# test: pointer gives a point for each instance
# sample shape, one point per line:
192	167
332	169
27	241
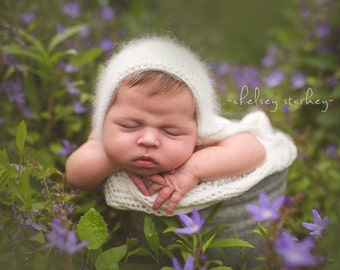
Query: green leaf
17	50
169	248
4	179
39	238
109	259
140	251
60	37
86	57
151	234
51	171
36	43
214	231
20	187
230	242
263	231
92	227
207	243
40	205
58	55
211	215
171	222
26	189
4	160
21	135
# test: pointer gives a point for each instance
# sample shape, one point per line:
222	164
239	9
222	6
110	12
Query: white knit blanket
121	193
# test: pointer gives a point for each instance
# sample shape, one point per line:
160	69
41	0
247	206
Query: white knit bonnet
159	54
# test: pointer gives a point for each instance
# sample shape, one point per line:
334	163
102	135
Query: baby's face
149	135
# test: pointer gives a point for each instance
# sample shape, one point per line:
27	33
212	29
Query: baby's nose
149	138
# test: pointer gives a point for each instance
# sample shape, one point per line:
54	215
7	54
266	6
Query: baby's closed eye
128	124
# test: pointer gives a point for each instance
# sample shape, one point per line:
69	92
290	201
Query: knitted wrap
163	54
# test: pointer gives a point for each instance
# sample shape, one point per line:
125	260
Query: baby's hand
177	185
172	186
147	186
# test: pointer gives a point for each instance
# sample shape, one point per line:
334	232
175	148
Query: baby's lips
144	162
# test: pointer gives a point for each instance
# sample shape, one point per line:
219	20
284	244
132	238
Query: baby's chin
150	172
146	172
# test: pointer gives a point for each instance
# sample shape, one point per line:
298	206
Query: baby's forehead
152	83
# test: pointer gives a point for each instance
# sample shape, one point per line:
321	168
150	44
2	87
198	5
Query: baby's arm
235	155
89	165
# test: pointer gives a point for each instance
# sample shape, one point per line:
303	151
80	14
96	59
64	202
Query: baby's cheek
112	149
181	156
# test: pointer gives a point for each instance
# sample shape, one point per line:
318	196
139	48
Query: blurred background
288	50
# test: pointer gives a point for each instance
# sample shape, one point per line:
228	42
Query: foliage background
232	36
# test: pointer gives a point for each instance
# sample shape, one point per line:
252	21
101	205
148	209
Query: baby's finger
139	183
154	188
156	179
174	199
162	197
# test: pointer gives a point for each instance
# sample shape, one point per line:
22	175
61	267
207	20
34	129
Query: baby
156	132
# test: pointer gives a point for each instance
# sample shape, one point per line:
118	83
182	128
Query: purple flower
319	224
107	45
27	113
13	90
26	18
273	79
71	89
294	253
69	68
305	13
298	80
331	150
15	209
107	12
9	60
29	222
60	28
285	109
78	107
85	32
189	264
63	239
245	75
266	210
323	31
67	148
61	208
223	69
269	60
288	201
72	9
25	219
193	224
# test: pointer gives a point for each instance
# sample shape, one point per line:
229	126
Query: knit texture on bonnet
163	54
